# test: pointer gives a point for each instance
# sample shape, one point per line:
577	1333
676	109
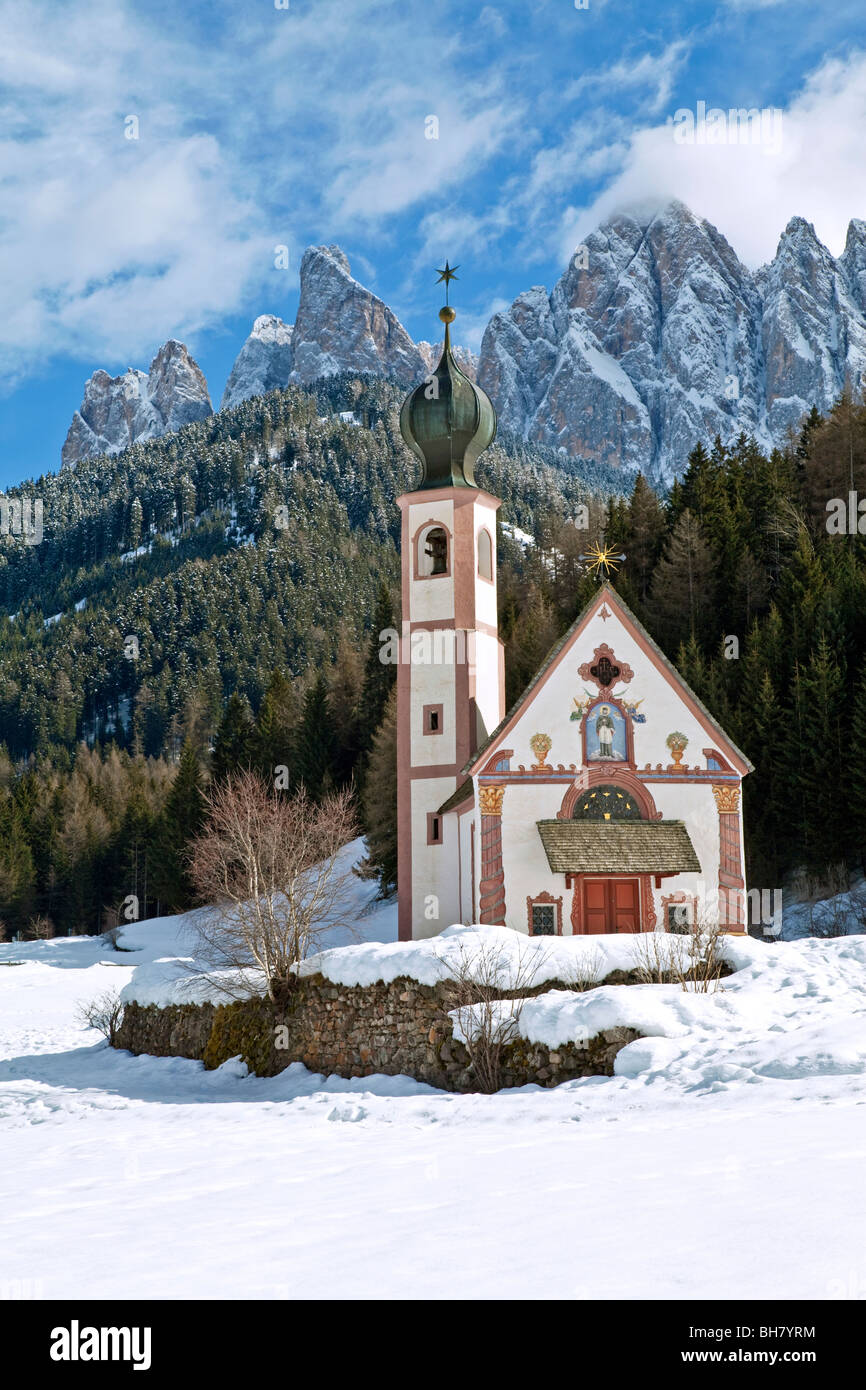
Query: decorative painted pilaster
731	882
491	889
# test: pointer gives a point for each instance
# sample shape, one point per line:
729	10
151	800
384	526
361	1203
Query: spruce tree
314	742
275	729
857	794
379	677
182	819
534	633
345	682
379	803
823	758
234	746
682	591
645	532
765	798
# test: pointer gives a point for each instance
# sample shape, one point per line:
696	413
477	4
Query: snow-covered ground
725	1159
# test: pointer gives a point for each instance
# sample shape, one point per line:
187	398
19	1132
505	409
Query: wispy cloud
299	125
652	74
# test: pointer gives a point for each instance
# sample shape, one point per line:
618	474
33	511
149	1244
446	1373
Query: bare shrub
706	958
858	907
694	960
488	985
659	957
268	864
39	928
105	1013
585	971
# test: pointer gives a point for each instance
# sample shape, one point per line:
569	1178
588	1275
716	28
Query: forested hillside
212	600
252	552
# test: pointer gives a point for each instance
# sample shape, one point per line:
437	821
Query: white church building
607	799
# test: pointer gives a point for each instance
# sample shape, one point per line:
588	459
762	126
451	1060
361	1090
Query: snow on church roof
609	595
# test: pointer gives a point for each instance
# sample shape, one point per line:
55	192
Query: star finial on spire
601	560
448	274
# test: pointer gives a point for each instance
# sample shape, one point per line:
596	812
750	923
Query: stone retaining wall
397	1028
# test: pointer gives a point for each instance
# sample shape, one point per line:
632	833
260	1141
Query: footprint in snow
350	1114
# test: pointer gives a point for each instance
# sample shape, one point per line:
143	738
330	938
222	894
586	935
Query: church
607	799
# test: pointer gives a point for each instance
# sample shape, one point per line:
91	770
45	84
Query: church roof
463	792
608	595
447	421
593	847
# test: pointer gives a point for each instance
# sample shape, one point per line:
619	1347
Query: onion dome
447	421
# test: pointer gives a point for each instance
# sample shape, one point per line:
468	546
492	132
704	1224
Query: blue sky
261	127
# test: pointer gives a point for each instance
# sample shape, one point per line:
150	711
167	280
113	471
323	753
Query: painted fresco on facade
605	733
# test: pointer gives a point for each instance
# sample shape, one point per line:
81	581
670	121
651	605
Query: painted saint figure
604	732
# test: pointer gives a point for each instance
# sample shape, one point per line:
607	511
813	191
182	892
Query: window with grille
543	919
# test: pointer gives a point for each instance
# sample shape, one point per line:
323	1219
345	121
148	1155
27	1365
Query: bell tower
451	683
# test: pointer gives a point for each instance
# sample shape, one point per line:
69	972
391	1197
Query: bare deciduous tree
268	864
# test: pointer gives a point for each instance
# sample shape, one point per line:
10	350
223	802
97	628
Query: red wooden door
595	905
611	905
624	904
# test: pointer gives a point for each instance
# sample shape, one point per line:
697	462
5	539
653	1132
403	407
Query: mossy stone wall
353	1030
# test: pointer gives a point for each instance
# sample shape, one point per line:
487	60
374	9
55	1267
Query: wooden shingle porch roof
624	847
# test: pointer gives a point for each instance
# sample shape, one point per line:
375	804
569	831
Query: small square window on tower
434	828
433	719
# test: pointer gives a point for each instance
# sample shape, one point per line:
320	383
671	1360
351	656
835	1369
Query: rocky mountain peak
264	361
341	326
336	253
119	410
657	335
853	261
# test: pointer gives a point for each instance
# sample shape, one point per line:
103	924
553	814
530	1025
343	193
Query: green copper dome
447	421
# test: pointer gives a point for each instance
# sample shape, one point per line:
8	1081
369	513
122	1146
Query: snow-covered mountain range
655	336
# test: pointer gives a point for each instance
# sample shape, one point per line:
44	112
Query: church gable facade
607	800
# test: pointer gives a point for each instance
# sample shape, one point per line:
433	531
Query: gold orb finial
447	314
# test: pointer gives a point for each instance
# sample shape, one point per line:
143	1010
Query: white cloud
283	128
654	73
748	192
